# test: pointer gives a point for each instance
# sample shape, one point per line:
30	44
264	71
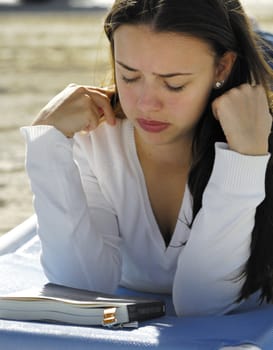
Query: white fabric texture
98	231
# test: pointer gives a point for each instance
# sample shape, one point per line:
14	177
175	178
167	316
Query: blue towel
21	269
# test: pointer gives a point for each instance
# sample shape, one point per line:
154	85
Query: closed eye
129	80
175	88
168	86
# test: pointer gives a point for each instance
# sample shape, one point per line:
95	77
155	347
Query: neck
173	155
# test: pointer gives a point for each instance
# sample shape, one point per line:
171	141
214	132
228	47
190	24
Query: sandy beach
39	55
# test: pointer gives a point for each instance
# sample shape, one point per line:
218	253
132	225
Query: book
60	304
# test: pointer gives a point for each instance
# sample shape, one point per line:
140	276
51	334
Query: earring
219	84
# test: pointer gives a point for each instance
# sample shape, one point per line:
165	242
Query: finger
214	107
103	105
94	116
109	91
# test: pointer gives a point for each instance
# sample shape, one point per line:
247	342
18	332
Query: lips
152	125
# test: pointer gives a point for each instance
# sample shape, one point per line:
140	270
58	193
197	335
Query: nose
149	99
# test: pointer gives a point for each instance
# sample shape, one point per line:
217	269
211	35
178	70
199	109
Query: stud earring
219	84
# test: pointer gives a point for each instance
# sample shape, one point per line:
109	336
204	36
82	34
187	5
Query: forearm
206	280
80	246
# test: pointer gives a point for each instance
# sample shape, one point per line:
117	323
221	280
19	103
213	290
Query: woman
172	191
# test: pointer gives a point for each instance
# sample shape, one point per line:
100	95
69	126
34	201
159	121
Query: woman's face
164	81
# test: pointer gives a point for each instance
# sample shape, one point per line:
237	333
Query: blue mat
21	269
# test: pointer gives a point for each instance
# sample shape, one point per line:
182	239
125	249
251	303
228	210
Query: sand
39	55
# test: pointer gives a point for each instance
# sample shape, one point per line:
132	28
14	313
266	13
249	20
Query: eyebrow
167	75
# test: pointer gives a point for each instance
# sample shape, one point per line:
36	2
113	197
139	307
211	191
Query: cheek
189	105
127	97
198	95
184	103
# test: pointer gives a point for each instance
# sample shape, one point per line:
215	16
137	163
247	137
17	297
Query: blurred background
45	45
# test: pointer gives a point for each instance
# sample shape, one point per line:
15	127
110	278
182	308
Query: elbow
204	300
94	279
192	308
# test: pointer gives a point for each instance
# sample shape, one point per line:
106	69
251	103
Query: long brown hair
224	25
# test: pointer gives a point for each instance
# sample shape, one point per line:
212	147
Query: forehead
140	47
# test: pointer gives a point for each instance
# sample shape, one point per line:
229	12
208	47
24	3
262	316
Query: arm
206	280
80	242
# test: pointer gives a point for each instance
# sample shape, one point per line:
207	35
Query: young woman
173	191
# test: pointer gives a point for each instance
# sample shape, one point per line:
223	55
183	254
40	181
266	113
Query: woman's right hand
77	108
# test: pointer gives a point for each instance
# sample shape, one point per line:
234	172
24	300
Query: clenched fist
243	113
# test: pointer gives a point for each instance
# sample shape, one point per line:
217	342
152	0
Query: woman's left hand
243	113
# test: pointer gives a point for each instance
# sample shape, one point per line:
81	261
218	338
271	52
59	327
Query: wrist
253	150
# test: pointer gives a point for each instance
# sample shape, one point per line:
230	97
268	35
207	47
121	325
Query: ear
224	66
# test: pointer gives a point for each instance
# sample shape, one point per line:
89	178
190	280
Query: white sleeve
80	242
219	245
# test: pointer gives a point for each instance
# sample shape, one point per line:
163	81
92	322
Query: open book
55	303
